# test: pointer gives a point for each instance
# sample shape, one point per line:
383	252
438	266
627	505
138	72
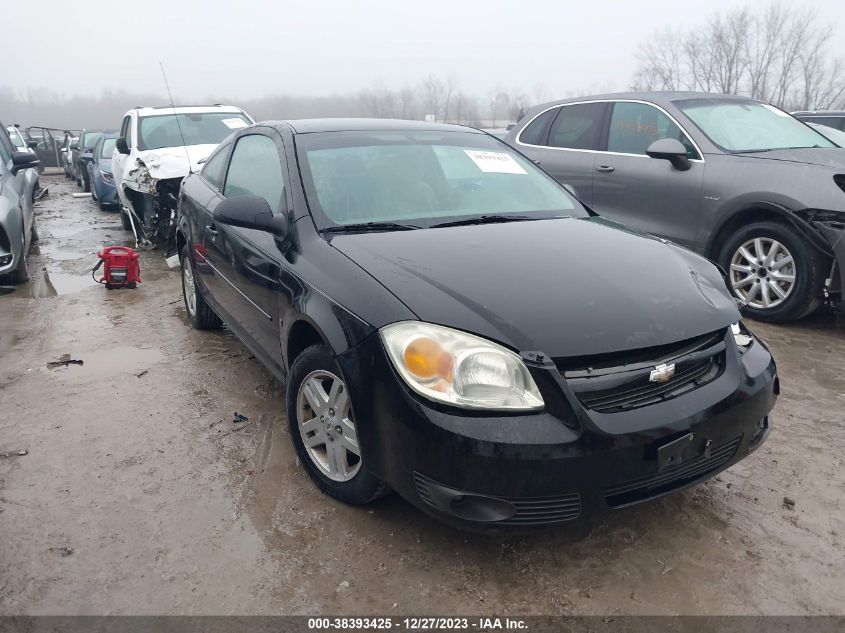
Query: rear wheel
774	271
124	220
324	429
202	317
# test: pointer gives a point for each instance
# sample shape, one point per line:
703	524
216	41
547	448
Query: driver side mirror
23	160
121	146
670	149
74	145
251	212
32	144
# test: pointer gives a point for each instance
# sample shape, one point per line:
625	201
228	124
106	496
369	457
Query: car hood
104	164
827	157
566	287
172	162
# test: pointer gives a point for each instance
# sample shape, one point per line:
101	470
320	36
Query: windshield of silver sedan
739	125
381	180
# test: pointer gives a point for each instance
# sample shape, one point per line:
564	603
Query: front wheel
202	317
324	429
124	220
775	272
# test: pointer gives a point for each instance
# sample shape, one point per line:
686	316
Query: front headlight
459	369
742	336
106	176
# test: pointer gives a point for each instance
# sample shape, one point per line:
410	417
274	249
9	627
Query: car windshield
107	148
422	179
91	139
202	128
17	139
749	126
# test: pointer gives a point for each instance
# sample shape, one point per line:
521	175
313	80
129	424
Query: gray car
739	181
17	220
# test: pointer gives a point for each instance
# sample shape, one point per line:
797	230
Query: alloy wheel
324	418
762	273
189	287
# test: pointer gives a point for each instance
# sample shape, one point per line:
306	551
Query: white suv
156	149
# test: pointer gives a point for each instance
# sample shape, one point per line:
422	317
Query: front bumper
833	232
106	191
562	465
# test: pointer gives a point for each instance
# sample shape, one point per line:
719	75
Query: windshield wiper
485	219
363	227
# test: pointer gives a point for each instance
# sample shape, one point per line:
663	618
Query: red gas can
120	267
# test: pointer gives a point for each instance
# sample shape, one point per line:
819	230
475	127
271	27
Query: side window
215	168
635	126
5	148
126	130
535	133
256	170
577	126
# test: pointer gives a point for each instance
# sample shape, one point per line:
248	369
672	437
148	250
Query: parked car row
509	333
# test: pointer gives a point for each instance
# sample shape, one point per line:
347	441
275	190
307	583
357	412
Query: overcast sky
319	47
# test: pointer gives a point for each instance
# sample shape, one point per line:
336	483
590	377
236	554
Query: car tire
93	191
800	277
78	178
331	421
34	233
86	182
124	220
202	317
20	274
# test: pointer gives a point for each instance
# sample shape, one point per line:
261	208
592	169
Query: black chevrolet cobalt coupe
453	325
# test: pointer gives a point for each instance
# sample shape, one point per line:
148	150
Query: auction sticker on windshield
234	124
495	162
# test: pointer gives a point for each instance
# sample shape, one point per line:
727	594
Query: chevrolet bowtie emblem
662	373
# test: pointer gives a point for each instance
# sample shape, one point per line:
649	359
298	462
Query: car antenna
176	116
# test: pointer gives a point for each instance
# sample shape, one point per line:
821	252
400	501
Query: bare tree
451	85
778	54
434	91
407	98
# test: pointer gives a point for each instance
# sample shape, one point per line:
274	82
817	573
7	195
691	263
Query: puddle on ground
108	362
45	283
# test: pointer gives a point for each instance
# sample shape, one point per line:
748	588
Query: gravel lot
139	496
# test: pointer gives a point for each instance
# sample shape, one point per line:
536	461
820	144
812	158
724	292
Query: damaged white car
156	149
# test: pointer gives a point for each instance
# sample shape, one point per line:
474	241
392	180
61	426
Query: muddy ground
139	495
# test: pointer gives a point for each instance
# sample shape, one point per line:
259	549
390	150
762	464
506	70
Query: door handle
211	230
606	168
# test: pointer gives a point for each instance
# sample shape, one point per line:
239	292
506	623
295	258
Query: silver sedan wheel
189	287
762	273
325	423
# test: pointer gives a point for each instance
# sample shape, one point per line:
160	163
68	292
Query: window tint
215	168
5	149
126	130
256	170
635	126
576	126
535	133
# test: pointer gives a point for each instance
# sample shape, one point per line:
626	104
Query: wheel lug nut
338	430
331	411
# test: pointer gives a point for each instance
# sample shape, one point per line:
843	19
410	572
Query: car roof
307	126
197	109
819	113
659	97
